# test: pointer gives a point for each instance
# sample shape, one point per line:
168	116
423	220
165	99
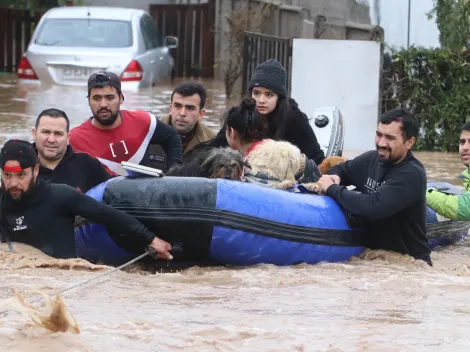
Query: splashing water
53	316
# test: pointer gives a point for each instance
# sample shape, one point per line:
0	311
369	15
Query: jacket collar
68	154
202	133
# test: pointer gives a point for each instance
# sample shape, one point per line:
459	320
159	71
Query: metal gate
193	24
258	48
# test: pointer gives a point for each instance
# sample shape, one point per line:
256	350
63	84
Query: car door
151	57
162	53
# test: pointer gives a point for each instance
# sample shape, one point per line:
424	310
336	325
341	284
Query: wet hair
187	89
465	127
246	121
277	118
409	123
56	113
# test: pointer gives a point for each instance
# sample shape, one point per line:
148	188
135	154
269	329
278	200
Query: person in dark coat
282	118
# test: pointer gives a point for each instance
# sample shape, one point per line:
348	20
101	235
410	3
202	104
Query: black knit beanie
271	75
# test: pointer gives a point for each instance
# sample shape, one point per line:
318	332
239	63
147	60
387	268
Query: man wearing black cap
42	215
113	135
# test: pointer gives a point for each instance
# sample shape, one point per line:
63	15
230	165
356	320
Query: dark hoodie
45	218
391	200
296	130
78	170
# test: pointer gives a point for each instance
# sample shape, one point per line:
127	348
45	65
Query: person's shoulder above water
296	112
416	163
136	115
166	119
411	163
85	125
368	156
89	160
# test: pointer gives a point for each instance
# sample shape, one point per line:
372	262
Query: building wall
337	12
140	4
137	4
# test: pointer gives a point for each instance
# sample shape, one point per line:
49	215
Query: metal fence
16	29
258	48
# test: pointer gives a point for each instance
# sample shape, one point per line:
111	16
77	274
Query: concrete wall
137	4
351	31
140	4
336	11
321	19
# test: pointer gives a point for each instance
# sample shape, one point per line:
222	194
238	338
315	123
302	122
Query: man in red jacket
113	135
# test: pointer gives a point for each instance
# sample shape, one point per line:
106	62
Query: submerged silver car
70	43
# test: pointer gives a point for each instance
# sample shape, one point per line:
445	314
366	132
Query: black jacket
392	199
45	219
78	170
296	130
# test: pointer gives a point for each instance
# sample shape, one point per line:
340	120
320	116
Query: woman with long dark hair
281	117
270	161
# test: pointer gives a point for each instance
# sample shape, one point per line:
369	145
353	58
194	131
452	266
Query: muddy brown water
385	302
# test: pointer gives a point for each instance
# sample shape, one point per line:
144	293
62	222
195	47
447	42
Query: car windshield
86	33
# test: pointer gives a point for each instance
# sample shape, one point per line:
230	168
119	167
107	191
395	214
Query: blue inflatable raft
229	222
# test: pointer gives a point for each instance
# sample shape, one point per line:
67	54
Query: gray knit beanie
271	75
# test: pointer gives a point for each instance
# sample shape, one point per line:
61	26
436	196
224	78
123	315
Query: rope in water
84	282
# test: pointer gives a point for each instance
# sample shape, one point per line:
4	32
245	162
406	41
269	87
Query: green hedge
433	84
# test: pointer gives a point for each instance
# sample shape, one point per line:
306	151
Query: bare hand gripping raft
235	223
227	221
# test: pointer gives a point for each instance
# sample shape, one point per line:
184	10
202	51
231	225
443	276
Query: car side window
149	33
145	34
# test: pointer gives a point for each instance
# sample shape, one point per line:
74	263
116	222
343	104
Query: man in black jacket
392	188
59	162
42	215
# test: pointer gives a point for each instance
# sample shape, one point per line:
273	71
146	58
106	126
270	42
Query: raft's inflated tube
231	222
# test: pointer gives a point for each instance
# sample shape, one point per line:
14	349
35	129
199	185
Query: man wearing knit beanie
271	75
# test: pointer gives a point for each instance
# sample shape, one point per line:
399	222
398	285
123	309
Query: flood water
386	302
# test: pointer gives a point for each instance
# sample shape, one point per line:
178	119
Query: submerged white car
71	43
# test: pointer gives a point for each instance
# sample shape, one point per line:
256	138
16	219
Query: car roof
95	12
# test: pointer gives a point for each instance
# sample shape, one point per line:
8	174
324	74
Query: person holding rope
42	215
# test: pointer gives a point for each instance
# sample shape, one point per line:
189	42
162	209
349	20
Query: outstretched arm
351	170
77	203
454	207
393	196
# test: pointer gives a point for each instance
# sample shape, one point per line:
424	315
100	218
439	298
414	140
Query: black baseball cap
104	78
19	150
